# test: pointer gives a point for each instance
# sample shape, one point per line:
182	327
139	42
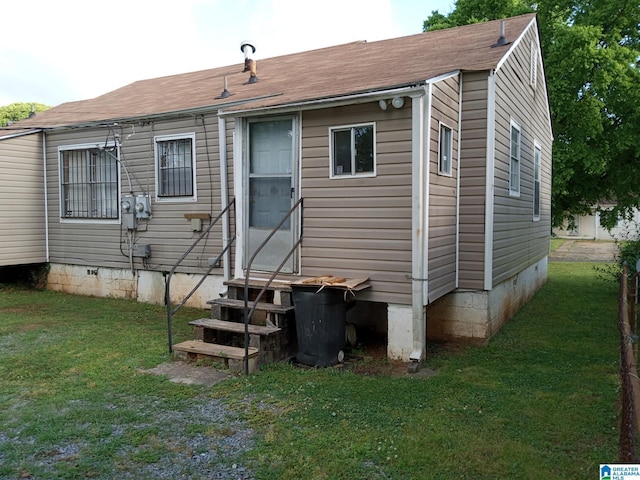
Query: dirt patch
189	373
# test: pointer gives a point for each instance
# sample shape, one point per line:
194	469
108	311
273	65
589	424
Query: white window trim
177	136
513	192
86	146
440	171
375	155
537	148
533	65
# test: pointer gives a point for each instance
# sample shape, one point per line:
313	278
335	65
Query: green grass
539	402
555	243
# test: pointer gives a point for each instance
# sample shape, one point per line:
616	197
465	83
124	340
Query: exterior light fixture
397	102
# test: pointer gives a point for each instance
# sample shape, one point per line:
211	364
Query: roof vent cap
502	40
249	64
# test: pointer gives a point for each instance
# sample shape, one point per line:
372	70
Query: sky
56	51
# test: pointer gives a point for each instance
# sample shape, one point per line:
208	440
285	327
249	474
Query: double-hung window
89	182
445	150
537	155
514	163
353	150
175	167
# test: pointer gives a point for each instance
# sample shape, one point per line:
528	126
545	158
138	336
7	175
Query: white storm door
270	194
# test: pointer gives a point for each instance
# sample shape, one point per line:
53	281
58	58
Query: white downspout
419	233
46	199
490	181
224	194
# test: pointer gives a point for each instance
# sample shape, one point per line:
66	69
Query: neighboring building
588	227
424	163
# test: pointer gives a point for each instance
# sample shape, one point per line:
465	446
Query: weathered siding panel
443	192
473	159
22	215
168	232
359	227
519	240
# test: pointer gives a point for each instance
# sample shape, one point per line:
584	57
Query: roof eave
326	102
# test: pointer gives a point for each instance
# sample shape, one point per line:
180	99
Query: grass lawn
539	402
555	243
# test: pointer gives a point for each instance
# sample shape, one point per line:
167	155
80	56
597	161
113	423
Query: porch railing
248	310
212	264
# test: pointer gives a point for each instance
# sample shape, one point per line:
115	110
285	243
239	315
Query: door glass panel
269	202
269	194
270	147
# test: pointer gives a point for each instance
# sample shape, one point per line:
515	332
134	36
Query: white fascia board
444	76
20	134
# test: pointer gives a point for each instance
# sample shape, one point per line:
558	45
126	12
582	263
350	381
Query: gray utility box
142	250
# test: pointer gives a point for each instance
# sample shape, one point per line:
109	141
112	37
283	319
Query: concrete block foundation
143	286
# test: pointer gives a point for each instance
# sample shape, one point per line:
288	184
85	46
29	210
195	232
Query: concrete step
233	357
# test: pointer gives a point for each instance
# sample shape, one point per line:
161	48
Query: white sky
55	51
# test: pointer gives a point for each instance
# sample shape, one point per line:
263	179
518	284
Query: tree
18	111
592	63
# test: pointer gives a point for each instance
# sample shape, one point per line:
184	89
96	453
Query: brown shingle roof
317	74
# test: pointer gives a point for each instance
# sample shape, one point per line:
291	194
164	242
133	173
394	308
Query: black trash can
321	318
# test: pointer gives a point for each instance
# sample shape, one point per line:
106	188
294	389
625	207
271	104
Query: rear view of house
422	164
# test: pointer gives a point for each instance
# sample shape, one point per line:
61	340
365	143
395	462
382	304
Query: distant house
424	163
589	227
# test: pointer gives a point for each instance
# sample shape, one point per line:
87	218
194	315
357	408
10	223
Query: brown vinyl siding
359	227
519	241
168	231
473	159
443	192
22	216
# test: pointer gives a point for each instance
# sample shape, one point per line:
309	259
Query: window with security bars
89	183
175	167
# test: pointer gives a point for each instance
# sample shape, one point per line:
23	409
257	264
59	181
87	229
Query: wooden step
239	305
233	327
233	357
257	282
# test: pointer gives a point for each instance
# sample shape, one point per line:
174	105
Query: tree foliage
18	111
592	63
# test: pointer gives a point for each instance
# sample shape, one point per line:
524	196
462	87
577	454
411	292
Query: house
423	162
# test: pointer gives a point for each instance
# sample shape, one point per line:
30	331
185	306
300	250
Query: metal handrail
248	312
167	291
